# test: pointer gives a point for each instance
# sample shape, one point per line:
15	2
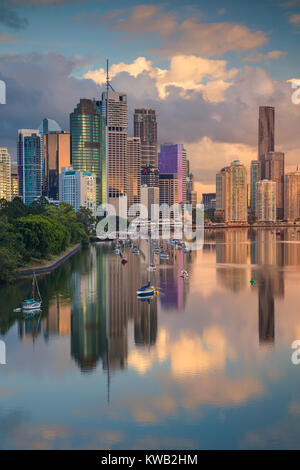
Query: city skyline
194	85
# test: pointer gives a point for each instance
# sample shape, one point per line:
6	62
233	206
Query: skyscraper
274	170
292	196
78	188
235	181
220	194
57	154
133	170
266	134
149	197
115	111
255	176
168	189
172	160
150	176
266	201
145	127
46	126
14	181
5	174
87	128
29	165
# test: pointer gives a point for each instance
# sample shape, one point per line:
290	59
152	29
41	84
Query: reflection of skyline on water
122	364
104	302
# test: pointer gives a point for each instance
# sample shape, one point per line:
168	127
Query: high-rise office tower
57	154
168	189
14	181
235	181
255	176
115	111
78	188
274	170
46	126
292	196
145	127
87	128
220	194
29	165
266	134
149	197
172	161
150	176
209	203
191	195
133	170
5	174
265	201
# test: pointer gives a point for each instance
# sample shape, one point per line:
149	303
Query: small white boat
33	304
164	256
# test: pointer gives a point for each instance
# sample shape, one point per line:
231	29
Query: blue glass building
29	165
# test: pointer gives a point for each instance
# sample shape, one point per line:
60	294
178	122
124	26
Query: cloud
10	18
185	72
189	36
290	3
38	86
6	38
200	102
295	19
259	57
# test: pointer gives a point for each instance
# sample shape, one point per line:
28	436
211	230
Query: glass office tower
87	128
29	165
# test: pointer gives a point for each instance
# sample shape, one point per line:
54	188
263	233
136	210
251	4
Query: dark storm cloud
11	18
38	86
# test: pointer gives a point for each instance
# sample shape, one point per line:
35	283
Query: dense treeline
37	232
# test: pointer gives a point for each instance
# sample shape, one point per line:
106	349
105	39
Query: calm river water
205	365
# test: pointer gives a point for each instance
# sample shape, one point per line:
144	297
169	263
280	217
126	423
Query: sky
205	67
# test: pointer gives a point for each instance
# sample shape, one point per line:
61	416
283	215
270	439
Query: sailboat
30	305
147	290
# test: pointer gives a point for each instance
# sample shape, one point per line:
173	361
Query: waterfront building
209	203
133	170
88	154
172	160
114	108
274	170
292	196
266	134
191	195
265	201
145	127
14	181
57	155
78	188
5	174
220	195
255	176
29	165
235	188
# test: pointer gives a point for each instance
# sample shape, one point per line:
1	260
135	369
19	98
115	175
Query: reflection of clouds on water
189	354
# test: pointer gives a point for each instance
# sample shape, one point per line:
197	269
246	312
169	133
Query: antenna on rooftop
108	86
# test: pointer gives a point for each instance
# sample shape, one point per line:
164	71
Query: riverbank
275	226
53	264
